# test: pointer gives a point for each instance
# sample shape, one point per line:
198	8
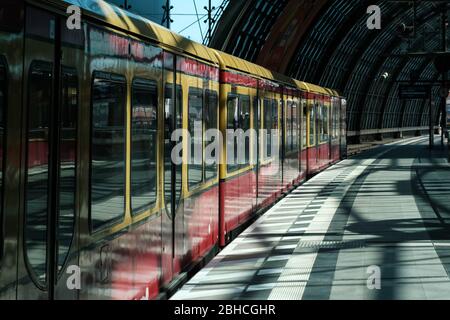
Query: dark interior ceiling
327	42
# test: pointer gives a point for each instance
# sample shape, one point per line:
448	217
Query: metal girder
356	56
229	22
340	35
393	80
285	36
402	113
374	70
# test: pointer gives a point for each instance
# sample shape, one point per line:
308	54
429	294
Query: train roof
312	87
231	62
135	24
140	26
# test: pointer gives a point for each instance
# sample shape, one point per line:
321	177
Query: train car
260	104
107	190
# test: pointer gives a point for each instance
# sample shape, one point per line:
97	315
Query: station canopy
330	44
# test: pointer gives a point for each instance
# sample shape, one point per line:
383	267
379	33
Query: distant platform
376	226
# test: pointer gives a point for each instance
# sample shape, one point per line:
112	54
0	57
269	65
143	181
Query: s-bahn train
93	206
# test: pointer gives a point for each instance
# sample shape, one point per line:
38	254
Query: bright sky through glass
185	18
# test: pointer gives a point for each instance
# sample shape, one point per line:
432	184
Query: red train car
107	190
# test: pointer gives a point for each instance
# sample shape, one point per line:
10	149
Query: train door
336	134
49	245
329	123
304	135
319	129
173	120
283	136
256	106
313	150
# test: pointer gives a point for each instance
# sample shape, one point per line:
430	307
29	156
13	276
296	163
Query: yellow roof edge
134	24
142	27
241	65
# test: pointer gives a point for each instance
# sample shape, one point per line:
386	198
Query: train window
256	127
244	118
332	114
326	123
67	169
275	114
173	119
304	124
144	133
3	105
211	110
37	170
256	114
312	125
107	150
195	109
295	127
295	141
274	122
336	110
292	126
232	124
289	126
268	125
238	118
319	129
321	114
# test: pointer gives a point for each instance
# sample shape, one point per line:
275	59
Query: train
93	205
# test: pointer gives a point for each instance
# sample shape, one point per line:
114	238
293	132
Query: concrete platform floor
376	226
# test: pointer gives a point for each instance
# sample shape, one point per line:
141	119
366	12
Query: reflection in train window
211	111
232	125
275	114
244	110
312	125
271	111
257	127
144	134
319	130
289	126
173	119
107	151
305	125
275	125
67	170
336	109
292	126
333	118
195	107
267	137
326	124
37	173
2	139
295	128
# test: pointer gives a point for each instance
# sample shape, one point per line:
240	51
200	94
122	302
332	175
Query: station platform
383	213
